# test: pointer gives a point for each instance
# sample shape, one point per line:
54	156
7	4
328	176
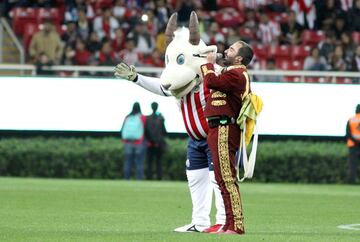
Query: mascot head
183	57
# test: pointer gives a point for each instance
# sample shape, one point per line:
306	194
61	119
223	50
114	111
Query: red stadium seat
356	37
20	17
227	4
312	38
30	30
279	51
229	17
261	51
300	52
49	13
103	4
247	33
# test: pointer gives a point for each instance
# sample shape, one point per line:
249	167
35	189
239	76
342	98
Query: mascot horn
184	56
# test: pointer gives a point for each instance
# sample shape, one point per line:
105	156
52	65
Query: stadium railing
284	75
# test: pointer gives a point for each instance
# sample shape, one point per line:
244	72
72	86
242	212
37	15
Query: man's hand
211	57
123	71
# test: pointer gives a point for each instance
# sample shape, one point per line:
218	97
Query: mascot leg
201	194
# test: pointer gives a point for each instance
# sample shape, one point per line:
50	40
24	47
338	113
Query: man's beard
228	61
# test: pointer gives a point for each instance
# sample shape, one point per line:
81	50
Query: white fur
181	78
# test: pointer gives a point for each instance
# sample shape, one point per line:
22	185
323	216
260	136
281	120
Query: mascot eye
167	59
180	59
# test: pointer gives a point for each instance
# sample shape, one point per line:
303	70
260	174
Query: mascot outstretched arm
182	79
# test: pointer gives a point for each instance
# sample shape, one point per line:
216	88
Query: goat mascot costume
182	79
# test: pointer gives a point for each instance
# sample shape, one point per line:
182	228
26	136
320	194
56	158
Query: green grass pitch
97	210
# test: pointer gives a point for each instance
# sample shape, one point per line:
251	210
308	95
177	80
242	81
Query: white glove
123	71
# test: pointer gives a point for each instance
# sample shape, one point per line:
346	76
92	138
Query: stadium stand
235	19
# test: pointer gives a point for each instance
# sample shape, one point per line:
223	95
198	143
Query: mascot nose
166	86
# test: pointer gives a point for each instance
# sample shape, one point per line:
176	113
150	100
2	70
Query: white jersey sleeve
152	84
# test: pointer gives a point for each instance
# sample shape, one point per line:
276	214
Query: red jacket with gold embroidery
227	90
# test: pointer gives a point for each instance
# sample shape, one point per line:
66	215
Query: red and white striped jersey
192	108
191	105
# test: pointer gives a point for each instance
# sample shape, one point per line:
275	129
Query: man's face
231	54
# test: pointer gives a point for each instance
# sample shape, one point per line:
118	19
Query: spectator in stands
106	56
93	43
84	26
337	61
132	133
46	41
70	35
68	58
276	6
349	48
354	16
269	30
144	42
160	40
291	31
82	55
37	3
130	55
339	26
105	25
119	10
326	12
213	34
355	64
250	20
155	133
270	65
43	63
233	35
156	59
184	9
74	6
162	13
118	43
327	46
315	62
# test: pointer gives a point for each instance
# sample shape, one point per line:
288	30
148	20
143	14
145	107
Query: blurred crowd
325	33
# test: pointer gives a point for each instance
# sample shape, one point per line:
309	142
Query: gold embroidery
218	94
218	102
235	66
206	71
226	174
246	85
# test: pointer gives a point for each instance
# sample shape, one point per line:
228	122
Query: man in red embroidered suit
221	110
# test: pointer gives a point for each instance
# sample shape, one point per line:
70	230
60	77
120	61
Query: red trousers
223	143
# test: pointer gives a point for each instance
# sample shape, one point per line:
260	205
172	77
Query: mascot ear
206	49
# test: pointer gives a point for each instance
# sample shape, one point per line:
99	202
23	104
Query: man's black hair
357	110
246	52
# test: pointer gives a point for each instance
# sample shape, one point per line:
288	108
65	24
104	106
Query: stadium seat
312	38
260	51
229	17
49	13
279	51
247	33
103	4
342	80
300	52
30	30
356	37
278	17
20	17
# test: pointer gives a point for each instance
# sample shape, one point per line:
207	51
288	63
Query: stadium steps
10	54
